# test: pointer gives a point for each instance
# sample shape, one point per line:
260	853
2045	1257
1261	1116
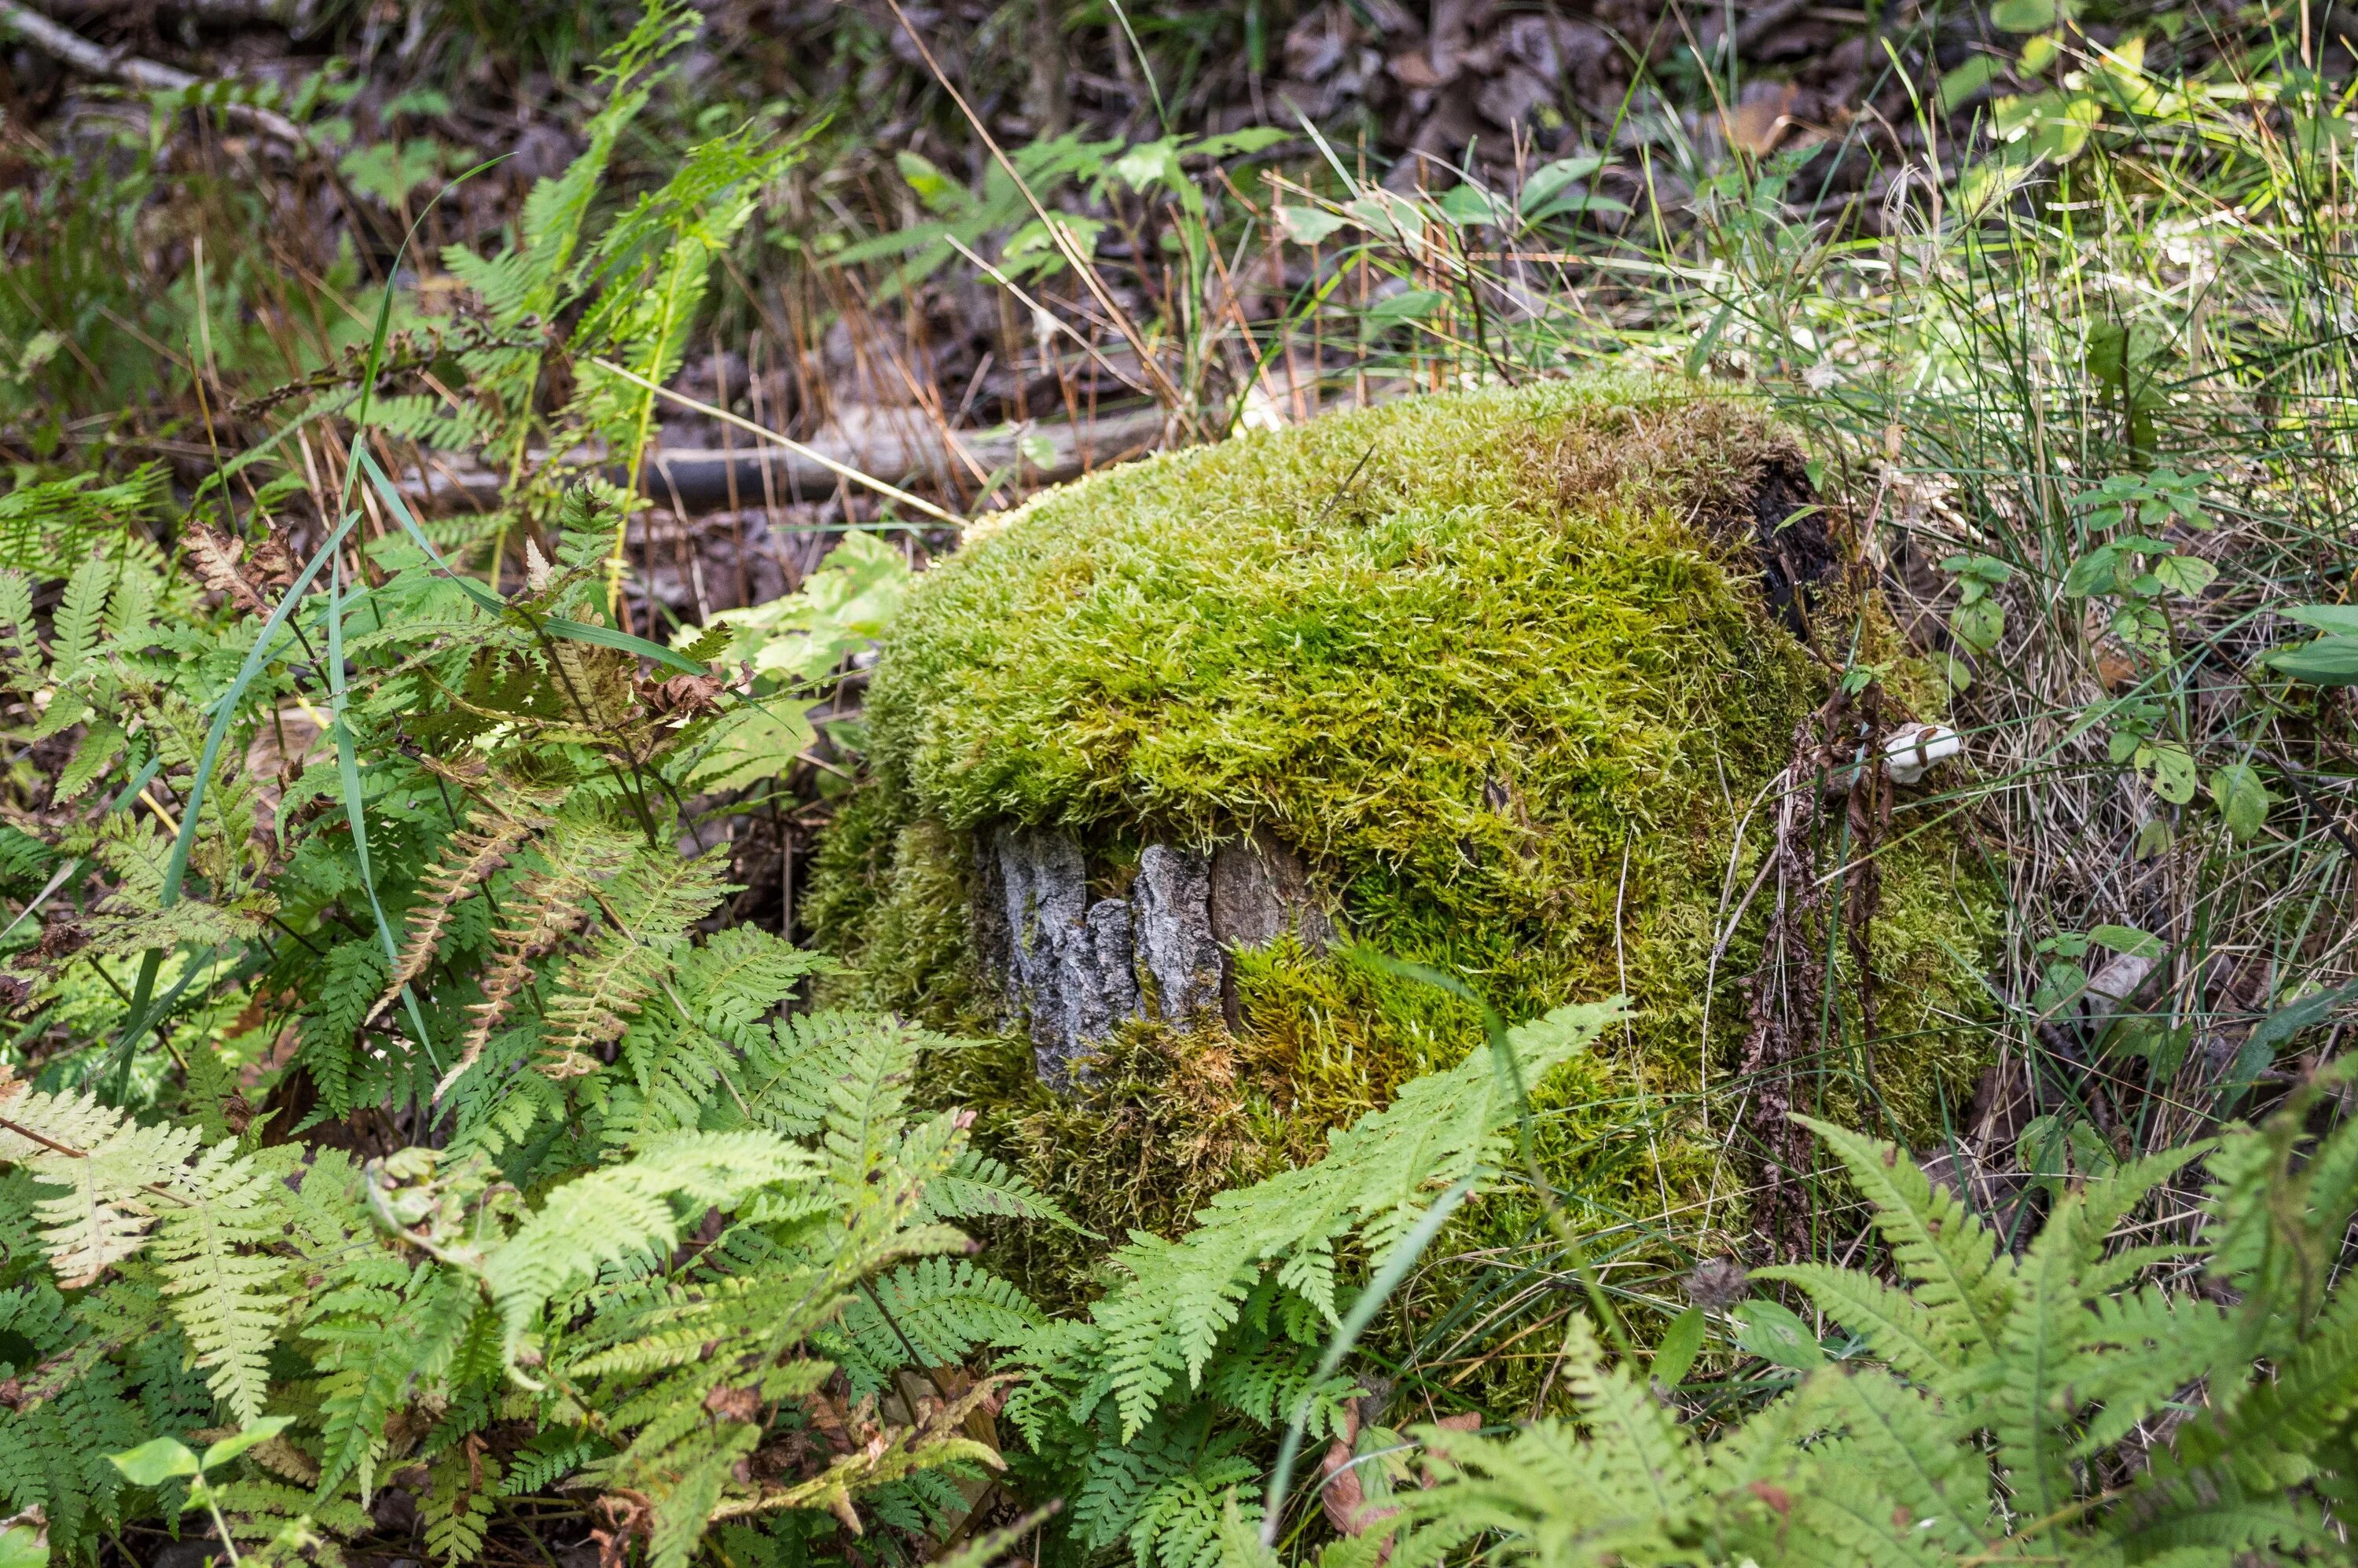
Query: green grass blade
556	625
348	775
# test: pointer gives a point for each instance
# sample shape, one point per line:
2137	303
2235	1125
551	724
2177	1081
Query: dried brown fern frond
473	853
549	905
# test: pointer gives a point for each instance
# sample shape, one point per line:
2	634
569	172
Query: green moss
1497	665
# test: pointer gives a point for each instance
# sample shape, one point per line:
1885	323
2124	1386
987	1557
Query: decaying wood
70	49
699	479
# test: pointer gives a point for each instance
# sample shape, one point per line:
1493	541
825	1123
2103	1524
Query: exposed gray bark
1071	970
1172	899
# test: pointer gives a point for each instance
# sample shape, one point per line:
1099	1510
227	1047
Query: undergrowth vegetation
1504	669
499	1064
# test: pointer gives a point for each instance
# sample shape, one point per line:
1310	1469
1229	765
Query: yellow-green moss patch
1498	666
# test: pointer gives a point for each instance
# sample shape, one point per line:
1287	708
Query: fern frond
114	1172
1379	1177
738	976
610	1215
2027	1386
947	1309
1898	1329
2147	1347
81	618
1940	1244
1647	1454
1179	1524
218	1276
1905	1446
473	854
980	1187
552	915
649	908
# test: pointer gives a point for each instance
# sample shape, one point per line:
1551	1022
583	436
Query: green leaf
1979	569
2328	661
2060	985
1309	225
391	170
2173	772
757	742
2260	1049
937	191
1980	624
2027	16
1465	205
1550	177
2241	798
259	1432
2126	939
155	1462
2340	619
1977	72
2186	575
2092	573
24	1546
1774	1332
1408	304
1681	1344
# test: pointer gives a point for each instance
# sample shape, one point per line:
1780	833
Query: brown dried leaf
213	557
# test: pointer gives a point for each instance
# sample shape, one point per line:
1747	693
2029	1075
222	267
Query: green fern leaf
611	1214
947	1309
980	1187
218	1275
1937	1242
1647	1454
1379	1177
1900	1331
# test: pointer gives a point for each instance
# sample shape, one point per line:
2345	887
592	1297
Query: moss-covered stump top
1503	668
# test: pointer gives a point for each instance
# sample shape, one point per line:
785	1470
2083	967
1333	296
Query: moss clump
1498	665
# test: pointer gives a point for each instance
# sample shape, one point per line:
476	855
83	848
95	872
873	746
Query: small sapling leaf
1681	1344
2173	772
1980	624
2242	800
261	1431
155	1461
2186	575
1776	1334
2126	939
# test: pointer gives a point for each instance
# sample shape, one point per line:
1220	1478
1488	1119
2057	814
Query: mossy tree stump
1488	683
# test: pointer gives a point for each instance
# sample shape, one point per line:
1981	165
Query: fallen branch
699	479
70	49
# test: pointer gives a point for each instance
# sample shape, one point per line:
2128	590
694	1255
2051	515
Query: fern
218	1275
943	1309
647	908
1178	1298
2024	1380
610	1215
121	1182
474	853
1939	1243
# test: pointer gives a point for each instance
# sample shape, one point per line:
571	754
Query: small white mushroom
1916	750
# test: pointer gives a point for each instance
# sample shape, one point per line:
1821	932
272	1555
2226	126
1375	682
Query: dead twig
69	48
